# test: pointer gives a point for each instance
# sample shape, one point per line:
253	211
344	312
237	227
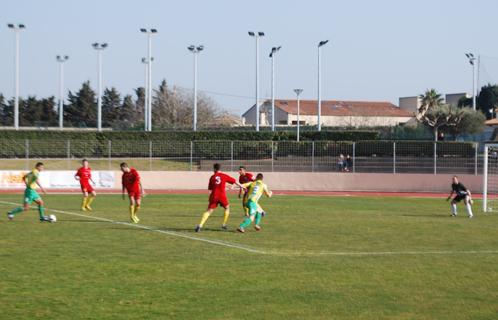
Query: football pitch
315	258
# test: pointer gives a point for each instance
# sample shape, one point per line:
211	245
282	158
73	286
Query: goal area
490	178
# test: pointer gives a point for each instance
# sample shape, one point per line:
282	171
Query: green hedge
355	135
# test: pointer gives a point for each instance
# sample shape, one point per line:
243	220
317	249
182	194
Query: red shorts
215	201
86	187
135	194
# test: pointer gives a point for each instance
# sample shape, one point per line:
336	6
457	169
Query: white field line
274	252
139	226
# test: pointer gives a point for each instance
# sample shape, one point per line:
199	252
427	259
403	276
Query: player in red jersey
246	177
131	182
218	196
84	176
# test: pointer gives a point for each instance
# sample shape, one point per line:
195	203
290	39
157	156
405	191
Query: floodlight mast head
322	43
148	31
16	27
274	50
62	58
298	91
471	58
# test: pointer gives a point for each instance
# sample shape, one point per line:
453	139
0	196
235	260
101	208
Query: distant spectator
341	163
349	163
440	136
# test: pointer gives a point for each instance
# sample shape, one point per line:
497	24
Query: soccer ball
52	218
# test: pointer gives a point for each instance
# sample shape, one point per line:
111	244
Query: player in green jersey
31	180
255	190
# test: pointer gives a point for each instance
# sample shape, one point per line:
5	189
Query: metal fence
266	156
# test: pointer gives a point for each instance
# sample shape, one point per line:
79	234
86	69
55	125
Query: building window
300	122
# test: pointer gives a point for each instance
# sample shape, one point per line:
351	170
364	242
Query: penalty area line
144	227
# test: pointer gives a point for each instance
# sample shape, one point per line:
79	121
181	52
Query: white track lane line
274	252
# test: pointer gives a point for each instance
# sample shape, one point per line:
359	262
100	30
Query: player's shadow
80	220
193	230
426	215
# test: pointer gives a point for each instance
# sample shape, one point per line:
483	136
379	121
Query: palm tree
429	100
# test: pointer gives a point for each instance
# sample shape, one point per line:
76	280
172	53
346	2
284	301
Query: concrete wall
163	180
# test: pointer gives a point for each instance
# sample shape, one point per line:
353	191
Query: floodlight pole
195	51
273	52
319	107
61	60
99	47
257	35
17	30
298	93
148	109
472	60
146	93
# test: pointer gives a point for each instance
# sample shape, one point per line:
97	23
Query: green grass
80	268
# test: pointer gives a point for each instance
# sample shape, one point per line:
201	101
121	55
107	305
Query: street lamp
148	109
320	45
99	47
146	93
195	50
298	93
257	35
61	60
273	52
472	60
17	30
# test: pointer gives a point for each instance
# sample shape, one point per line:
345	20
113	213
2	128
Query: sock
245	223
454	209
84	202
205	216
89	201
469	209
257	220
225	216
132	212
16	211
137	207
41	211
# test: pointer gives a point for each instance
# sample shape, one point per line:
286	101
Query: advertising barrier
56	179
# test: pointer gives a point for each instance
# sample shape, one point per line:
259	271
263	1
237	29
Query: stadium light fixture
148	109
273	52
298	94
61	60
195	51
17	30
319	102
99	47
472	59
257	35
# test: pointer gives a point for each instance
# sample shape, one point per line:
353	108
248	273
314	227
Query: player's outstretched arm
123	192
449	197
41	188
142	191
76	177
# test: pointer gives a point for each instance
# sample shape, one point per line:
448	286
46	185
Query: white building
412	104
334	113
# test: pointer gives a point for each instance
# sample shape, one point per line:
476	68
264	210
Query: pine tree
82	108
111	103
127	111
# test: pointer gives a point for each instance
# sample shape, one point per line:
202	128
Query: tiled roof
344	108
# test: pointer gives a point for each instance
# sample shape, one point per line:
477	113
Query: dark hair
216	167
259	176
123	165
242	167
38	164
84	160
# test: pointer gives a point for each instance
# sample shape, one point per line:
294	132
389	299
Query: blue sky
379	50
